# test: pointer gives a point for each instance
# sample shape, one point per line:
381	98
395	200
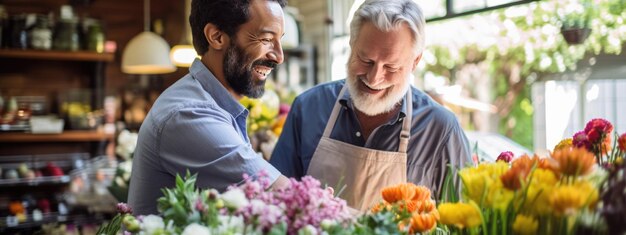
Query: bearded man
197	124
373	129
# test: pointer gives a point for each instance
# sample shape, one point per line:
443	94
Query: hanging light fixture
183	54
147	53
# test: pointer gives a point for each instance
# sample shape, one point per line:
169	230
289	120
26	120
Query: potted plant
576	21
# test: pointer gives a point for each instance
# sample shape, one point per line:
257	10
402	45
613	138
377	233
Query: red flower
596	129
621	142
506	156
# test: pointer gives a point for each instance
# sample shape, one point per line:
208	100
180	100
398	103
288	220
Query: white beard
372	106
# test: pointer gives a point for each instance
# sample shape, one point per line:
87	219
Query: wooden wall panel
122	20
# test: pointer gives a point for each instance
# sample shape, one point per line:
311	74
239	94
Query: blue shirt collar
346	101
213	86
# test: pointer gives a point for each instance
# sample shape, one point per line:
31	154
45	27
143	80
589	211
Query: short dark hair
227	15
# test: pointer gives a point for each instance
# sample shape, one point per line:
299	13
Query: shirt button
358	134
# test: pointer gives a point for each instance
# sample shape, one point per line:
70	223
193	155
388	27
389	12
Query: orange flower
512	179
621	142
606	144
399	192
381	206
406	191
574	161
421	193
423	222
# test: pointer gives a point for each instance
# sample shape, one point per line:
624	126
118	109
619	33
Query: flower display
266	119
566	192
556	194
249	208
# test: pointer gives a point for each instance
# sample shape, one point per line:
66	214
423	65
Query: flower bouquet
412	208
565	193
301	208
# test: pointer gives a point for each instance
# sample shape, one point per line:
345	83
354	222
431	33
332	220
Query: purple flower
580	140
124	208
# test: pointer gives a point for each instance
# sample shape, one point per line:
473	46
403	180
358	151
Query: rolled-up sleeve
203	140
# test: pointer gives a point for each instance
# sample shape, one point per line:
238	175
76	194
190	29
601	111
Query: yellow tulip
461	215
525	225
567	200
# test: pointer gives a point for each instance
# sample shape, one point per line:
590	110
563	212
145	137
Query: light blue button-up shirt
194	125
436	137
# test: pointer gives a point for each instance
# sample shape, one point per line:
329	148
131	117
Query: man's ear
217	39
417	61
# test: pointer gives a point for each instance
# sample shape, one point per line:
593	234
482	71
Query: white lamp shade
183	55
147	53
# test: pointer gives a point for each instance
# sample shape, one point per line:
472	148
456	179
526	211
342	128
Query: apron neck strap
406	123
333	115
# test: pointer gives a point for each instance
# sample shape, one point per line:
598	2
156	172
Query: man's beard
238	72
372	106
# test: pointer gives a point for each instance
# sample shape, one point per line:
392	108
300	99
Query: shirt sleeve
286	156
456	153
206	141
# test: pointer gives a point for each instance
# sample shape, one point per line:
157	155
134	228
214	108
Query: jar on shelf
95	38
4	21
18	37
66	36
41	34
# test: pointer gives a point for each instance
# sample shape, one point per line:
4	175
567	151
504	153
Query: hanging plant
576	21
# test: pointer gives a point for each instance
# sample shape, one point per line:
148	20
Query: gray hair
387	15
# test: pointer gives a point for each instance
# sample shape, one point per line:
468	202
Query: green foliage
531	40
177	201
111	228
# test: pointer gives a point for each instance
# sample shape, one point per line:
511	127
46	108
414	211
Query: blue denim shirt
436	137
194	125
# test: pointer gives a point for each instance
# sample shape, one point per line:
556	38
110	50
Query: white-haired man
373	129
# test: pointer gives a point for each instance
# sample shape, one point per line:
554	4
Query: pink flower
301	204
505	156
124	208
580	140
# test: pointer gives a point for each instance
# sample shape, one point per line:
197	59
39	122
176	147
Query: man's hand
280	183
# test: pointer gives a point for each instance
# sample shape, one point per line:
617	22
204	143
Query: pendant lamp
183	54
147	53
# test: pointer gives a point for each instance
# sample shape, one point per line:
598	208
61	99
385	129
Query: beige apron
361	172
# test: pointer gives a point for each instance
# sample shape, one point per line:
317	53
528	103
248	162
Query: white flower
230	225
196	229
307	230
326	223
235	198
126	144
151	224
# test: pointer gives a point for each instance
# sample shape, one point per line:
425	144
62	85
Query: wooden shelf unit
66	136
57	55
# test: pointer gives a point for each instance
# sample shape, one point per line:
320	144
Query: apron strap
406	124
333	115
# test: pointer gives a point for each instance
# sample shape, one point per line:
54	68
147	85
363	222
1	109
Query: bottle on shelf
41	34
